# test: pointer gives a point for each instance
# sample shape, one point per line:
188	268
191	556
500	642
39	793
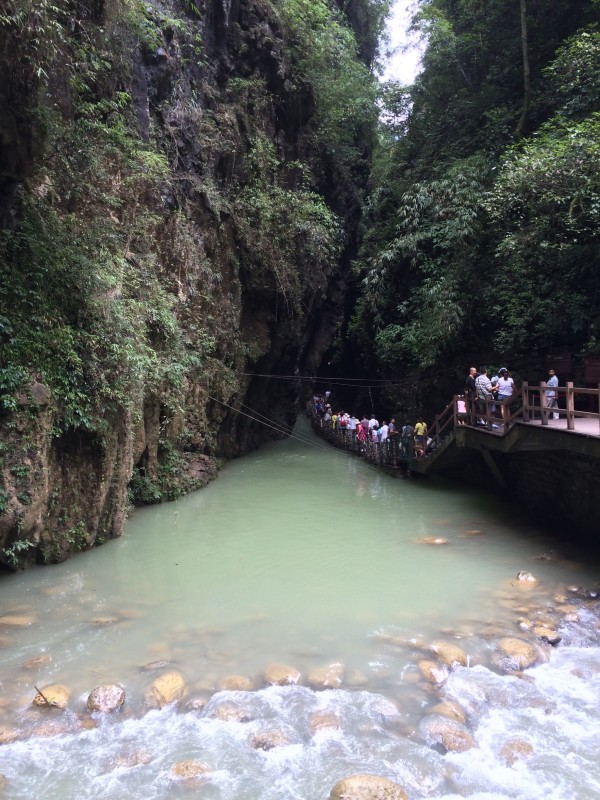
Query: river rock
190	772
567	608
322	720
367	787
236	683
135	759
450	734
229	712
55	696
166	689
514	750
547	634
152	666
526	577
267	740
329	677
433	672
356	679
17	620
281	675
197	703
450	654
451	710
37	662
106	698
8	735
518	653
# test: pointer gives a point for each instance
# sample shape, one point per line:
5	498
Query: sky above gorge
403	62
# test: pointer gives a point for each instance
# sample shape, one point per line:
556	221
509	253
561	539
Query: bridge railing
536	403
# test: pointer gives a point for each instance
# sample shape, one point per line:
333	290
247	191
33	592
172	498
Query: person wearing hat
506	388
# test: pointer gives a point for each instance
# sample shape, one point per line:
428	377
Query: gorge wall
179	198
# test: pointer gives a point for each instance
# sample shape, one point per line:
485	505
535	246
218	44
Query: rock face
209	298
367	787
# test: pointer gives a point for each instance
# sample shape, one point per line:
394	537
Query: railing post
570	406
543	406
455	410
525	401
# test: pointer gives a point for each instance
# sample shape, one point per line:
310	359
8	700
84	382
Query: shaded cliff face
174	226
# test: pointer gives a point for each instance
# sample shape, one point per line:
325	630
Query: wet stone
236	683
433	672
447	733
267	740
322	720
228	712
106	698
367	787
449	654
37	662
281	675
54	696
329	677
515	750
518	654
17	621
166	689
190	772
451	710
547	634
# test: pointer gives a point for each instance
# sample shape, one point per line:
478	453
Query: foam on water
555	709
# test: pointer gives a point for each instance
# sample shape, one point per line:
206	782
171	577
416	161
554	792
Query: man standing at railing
470	395
551	394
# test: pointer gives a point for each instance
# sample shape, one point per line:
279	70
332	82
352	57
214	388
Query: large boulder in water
106	698
450	734
281	675
53	696
433	672
166	689
329	677
514	750
450	654
517	653
367	787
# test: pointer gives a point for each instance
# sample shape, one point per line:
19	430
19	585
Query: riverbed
303	555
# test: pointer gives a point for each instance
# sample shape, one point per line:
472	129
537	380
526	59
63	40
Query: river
300	554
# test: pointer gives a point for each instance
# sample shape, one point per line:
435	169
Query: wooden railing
529	404
535	403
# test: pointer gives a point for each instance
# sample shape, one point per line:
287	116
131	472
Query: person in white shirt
373	422
506	388
551	395
506	385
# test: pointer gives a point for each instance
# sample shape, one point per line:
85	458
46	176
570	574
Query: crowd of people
369	434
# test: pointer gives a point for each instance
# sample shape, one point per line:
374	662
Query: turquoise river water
302	555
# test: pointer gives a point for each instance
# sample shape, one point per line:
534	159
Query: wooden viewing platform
524	423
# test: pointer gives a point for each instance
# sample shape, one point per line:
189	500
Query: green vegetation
482	227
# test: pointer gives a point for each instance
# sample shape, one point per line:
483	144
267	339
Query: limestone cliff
179	202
